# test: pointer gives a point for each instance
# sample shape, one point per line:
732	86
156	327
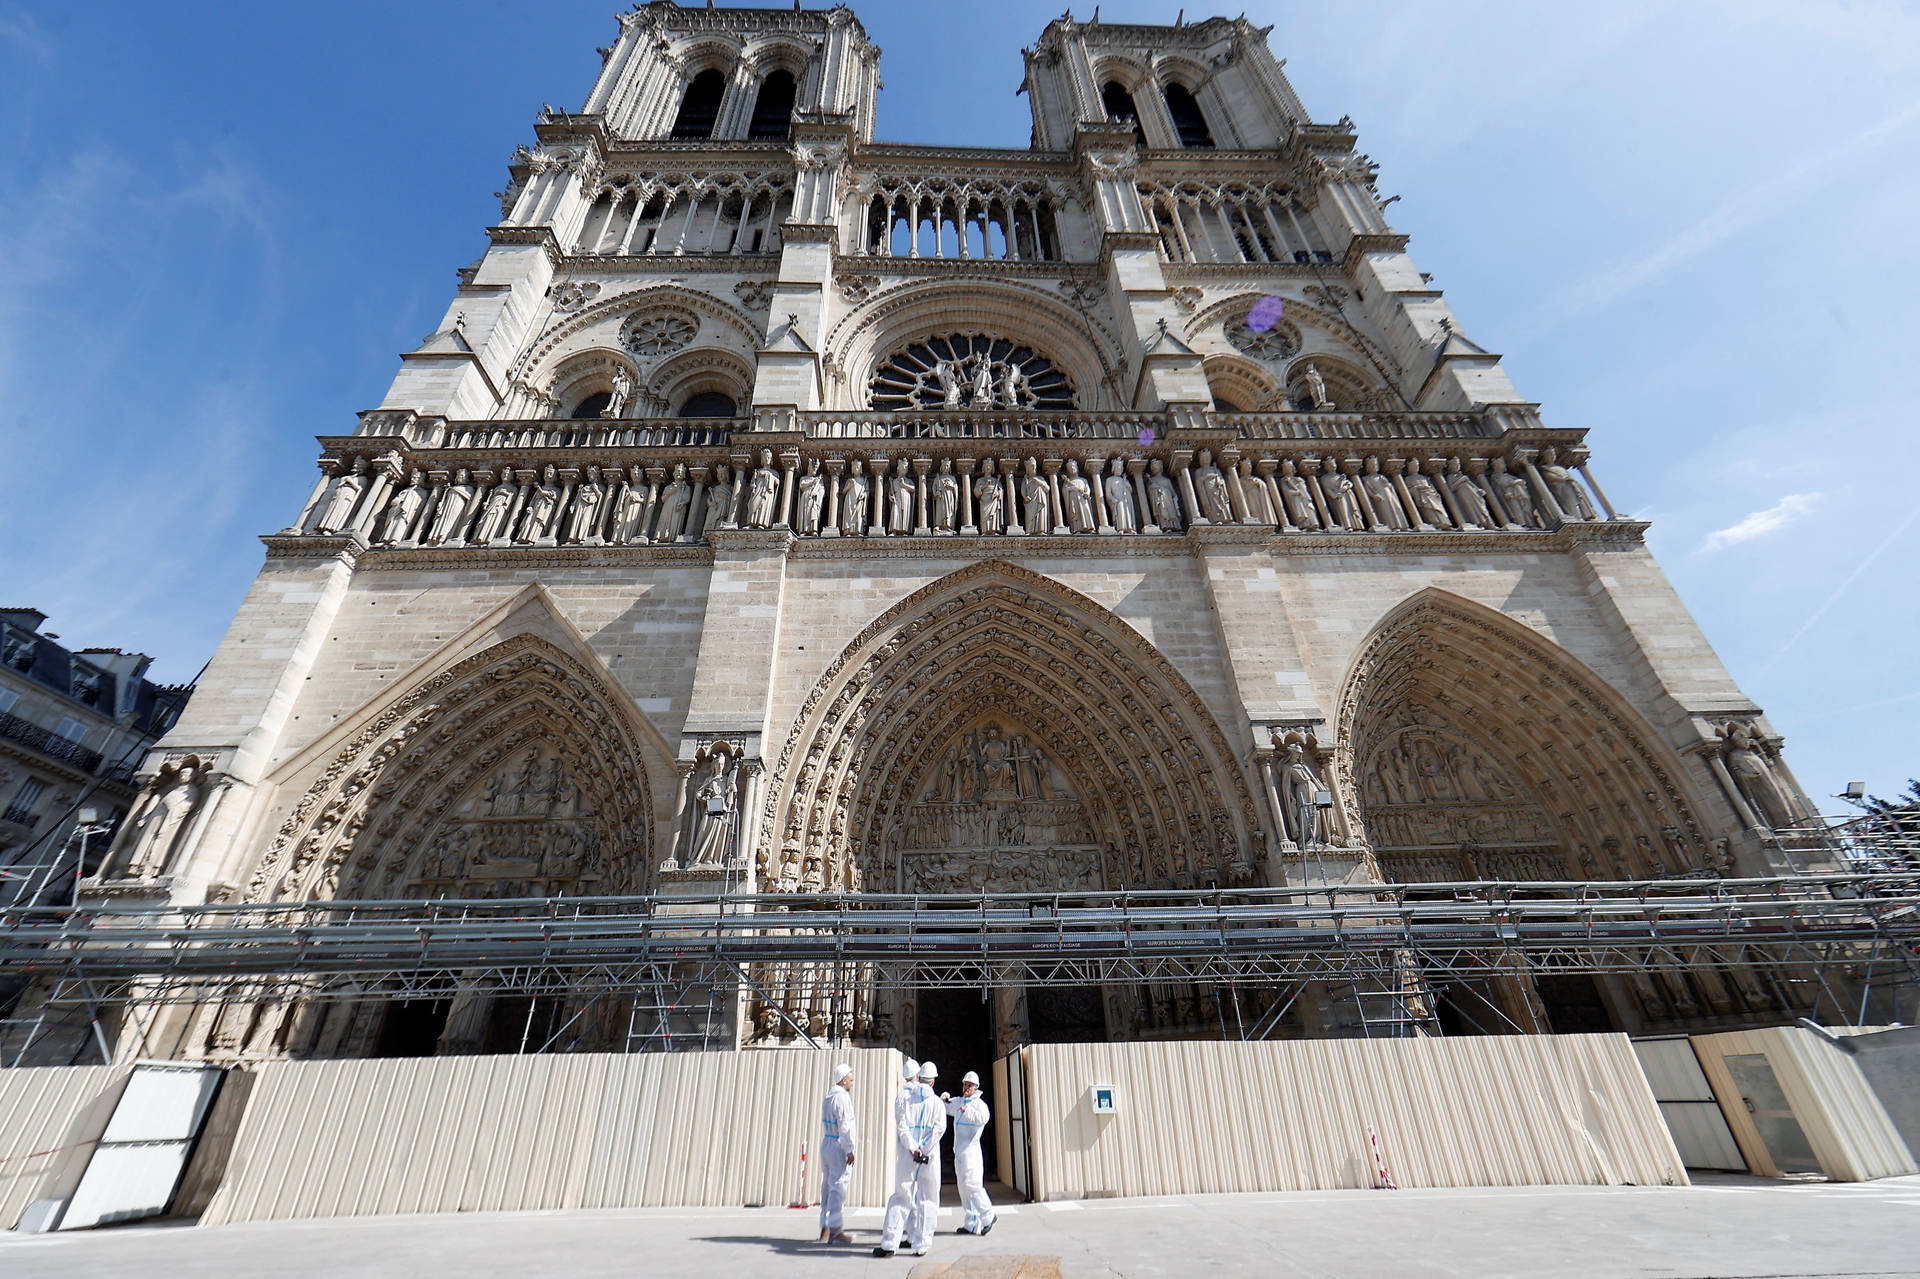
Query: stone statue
630	512
1426	498
949	379
1380	494
1119	491
1343	505
1298	501
176	794
1752	772
943	493
1259	505
1010	386
1316	387
346	495
1513	495
456	504
1299	789
719	499
1472	503
1163	497
982	386
1076	499
587	502
900	501
1033	498
1211	488
674	500
763	493
495	511
543	506
1042	775
403	509
997	781
622	393
713	806
853	500
1565	489
812	497
989	502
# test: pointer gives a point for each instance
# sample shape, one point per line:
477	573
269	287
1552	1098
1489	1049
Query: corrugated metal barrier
465	1134
1296	1115
1687	1104
50	1116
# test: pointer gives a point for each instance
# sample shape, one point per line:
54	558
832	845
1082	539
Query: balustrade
675	216
1006	473
977	220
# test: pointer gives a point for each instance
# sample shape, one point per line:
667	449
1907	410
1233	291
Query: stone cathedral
780	510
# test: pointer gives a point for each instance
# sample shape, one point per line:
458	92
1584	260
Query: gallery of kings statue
781	511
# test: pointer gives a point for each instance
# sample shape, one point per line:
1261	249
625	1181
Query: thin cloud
18	29
1757	203
1788	510
1845	586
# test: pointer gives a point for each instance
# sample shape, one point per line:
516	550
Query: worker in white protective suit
836	1155
970	1116
919	1121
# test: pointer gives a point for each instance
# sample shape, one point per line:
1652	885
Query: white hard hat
913	1070
929	1071
841	1072
970	1078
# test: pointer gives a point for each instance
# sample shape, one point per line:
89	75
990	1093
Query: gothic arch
721	323
585	373
1322	330
1242	382
418	779
1614	795
1168	801
1010	309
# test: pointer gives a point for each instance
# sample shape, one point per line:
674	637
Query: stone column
1436	470
377	494
789	467
1229	460
877	468
1350	467
1541	493
1137	471
695	510
1183	479
1010	495
1396	472
656	478
1476	469
1310	467
742	474
1264	468
1096	473
922	523
1050	467
1272	788
1579	459
963	467
835	466
329	467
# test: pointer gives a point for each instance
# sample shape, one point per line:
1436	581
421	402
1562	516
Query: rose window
969	371
658	332
1275	344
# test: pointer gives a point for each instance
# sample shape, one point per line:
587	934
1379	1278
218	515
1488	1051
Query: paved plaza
1728	1228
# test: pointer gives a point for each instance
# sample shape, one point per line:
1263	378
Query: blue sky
1688	227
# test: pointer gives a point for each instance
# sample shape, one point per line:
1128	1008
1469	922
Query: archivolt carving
1334	331
1169	802
633	300
365	825
1615	795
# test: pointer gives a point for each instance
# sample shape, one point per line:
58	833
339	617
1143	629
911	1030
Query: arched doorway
997	731
1472	748
517	772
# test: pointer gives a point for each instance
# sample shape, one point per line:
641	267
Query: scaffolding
1851	939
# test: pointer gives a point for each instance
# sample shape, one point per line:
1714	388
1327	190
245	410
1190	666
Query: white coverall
970	1116
919	1121
836	1175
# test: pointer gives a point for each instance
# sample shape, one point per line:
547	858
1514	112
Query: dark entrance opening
1574	1003
412	1027
1066	1015
955	1032
522	1025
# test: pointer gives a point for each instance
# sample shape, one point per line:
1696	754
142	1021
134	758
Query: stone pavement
1727	1228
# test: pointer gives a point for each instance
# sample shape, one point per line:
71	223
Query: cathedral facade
777	510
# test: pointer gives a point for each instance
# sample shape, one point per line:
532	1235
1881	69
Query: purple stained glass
1264	314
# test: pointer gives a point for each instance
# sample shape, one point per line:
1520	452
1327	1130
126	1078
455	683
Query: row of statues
615	505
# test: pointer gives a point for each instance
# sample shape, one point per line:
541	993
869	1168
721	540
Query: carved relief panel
522	832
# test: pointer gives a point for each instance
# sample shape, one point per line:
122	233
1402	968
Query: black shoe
966	1230
882	1252
989	1226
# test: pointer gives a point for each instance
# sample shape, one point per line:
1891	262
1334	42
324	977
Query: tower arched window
700	108
1188	121
1120	109
773	109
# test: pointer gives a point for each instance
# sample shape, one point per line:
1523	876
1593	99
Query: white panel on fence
49	1119
146	1145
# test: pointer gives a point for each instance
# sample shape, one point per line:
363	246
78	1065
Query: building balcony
48	743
